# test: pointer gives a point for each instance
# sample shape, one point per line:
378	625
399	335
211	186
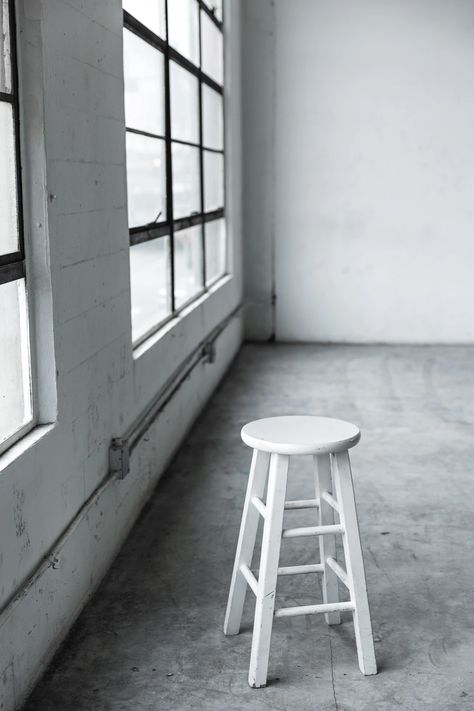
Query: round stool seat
300	434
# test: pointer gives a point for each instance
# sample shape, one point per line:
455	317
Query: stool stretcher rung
314	609
312	531
340	572
250	578
259	505
302	504
301	569
329	498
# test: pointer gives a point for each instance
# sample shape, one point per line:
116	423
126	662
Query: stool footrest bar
312	531
250	578
301	569
340	572
314	609
259	505
329	498
302	504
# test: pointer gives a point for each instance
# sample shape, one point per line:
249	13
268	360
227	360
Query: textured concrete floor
151	638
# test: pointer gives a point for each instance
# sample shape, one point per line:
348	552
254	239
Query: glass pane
187	264
150	285
15	388
8	191
186	181
213	181
144	85
149	12
213	118
184	104
5	56
215	249
146	181
183	28
212	51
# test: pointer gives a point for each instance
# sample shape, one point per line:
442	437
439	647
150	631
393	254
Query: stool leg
327	544
354	562
246	542
267	578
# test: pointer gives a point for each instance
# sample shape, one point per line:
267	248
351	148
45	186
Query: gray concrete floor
152	636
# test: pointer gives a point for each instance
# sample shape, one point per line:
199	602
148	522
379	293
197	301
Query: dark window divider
162	229
5	96
140	132
12	271
148	134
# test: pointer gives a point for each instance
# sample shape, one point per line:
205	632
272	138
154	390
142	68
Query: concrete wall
61	519
361	185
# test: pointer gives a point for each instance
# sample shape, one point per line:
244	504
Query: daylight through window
174	112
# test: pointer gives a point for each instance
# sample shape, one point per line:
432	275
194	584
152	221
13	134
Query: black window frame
12	265
170	226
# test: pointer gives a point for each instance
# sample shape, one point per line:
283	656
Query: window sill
23	445
173	322
161	354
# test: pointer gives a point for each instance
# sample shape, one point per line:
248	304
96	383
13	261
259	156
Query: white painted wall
372	185
91	385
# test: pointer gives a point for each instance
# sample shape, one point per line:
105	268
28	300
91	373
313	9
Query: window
16	410
174	114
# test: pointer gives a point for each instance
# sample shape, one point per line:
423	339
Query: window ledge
23	445
143	347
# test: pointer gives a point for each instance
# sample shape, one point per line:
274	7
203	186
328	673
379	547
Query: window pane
213	181
144	85
183	27
15	387
187	264
212	52
184	104
150	285
186	181
213	118
150	12
145	180
8	188
5	56
215	249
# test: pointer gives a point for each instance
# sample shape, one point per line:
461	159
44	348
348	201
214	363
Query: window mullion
12	271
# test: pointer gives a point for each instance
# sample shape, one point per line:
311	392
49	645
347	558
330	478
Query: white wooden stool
274	440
